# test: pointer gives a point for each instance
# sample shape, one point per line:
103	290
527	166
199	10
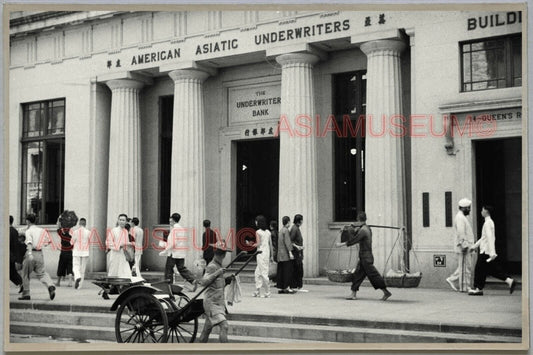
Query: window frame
44	139
509	68
339	109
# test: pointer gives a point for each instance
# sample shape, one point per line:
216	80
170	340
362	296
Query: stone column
384	166
124	182
188	160
298	176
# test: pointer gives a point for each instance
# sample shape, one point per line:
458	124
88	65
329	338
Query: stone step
77	332
107	335
106	320
103	314
247	276
84	325
312	333
94	334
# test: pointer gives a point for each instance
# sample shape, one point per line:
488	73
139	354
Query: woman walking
264	244
285	258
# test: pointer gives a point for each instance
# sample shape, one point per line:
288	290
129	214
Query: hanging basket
402	280
341	276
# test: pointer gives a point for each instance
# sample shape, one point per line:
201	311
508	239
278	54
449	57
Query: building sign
158	56
302	32
217	46
259	132
494	20
485	124
439	260
254	103
243	40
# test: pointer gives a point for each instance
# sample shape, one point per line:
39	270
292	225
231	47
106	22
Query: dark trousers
182	269
483	269
366	268
64	266
14	276
285	274
298	273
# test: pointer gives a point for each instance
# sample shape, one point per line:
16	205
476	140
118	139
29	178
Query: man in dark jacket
365	266
16	254
297	251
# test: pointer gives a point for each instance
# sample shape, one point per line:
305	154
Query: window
492	63
349	97
43	160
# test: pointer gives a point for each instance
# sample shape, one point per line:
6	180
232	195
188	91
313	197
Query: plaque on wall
254	103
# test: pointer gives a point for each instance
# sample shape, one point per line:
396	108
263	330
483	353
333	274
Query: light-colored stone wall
67	62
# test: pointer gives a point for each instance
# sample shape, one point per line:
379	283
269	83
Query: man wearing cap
214	300
460	280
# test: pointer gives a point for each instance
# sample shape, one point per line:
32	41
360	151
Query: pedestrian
460	280
209	239
80	252
138	240
297	251
285	258
64	265
116	242
15	255
274	237
129	249
214	298
176	250
34	260
263	244
486	263
365	266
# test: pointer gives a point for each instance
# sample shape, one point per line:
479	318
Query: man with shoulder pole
365	266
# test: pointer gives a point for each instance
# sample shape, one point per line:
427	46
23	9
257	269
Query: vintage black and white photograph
270	176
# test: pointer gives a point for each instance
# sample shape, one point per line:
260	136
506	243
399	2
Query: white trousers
137	265
79	263
463	273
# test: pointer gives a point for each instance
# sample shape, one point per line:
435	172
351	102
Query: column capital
124	84
297	58
187	74
380	45
126	75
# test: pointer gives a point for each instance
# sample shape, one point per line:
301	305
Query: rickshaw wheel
184	332
141	319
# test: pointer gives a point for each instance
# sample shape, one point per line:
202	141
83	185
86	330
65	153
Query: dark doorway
257	181
499	184
166	106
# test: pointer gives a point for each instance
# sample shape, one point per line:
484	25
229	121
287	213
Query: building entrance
499	184
257	172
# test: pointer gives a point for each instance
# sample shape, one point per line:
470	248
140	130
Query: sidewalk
497	308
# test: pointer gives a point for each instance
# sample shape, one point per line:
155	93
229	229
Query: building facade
225	115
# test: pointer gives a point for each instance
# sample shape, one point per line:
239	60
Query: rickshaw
157	312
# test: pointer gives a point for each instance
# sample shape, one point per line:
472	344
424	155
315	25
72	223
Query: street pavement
497	308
